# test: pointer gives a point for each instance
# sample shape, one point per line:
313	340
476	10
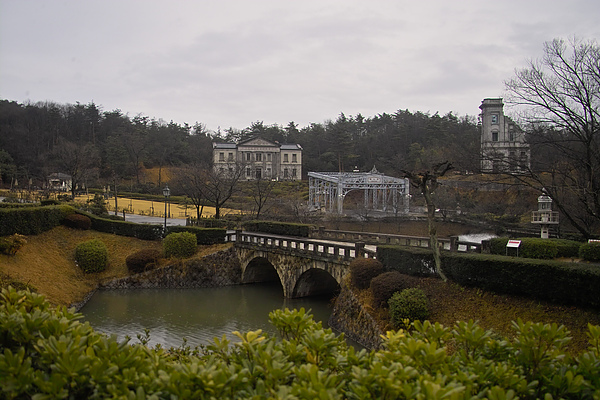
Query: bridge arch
315	282
299	276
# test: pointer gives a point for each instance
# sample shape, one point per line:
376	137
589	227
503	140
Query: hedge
537	247
555	281
32	220
203	235
407	260
590	251
48	353
124	228
278	228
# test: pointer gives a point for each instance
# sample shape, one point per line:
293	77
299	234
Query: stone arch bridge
305	267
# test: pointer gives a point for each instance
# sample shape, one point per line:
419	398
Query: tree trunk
433	240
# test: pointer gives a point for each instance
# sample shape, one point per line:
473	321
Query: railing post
359	249
238	235
454	243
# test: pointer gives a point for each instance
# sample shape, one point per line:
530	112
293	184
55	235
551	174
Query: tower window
494	136
494	119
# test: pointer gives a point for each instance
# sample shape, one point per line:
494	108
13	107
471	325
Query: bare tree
77	161
426	181
191	180
559	98
219	185
261	191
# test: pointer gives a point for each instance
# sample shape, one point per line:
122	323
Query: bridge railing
450	244
301	246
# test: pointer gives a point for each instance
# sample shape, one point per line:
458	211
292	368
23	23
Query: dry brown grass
450	303
47	262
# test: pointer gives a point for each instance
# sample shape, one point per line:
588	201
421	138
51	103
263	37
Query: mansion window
285	158
286	173
494	119
494	136
258	173
221	156
268	156
248	156
230	156
294	173
248	172
294	158
258	157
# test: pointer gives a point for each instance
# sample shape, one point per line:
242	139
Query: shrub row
203	235
278	228
590	251
32	220
538	248
408	260
549	280
48	353
124	228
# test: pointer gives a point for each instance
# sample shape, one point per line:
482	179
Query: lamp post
166	193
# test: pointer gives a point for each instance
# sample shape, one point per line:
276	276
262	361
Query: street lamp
166	193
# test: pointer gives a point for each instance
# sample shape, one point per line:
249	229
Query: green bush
590	251
567	248
47	353
407	260
203	235
92	256
384	286
363	270
180	245
498	245
410	304
538	248
142	260
277	228
77	221
125	228
32	220
11	244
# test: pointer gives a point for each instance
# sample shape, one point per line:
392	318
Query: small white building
260	159
503	146
60	182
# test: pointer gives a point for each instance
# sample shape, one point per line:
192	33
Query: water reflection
199	315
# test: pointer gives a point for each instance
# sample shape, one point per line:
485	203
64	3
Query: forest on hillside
37	139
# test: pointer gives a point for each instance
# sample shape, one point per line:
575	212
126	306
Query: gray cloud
234	62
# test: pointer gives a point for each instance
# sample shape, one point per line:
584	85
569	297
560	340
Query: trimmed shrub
203	235
407	260
11	244
590	251
142	260
126	228
363	270
92	256
408	304
384	286
180	245
32	220
498	245
77	221
567	248
538	248
278	228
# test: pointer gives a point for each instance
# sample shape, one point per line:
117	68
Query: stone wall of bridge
299	276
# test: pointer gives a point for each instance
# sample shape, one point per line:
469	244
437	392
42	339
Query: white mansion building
260	158
503	145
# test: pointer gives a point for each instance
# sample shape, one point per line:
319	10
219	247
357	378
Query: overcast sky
230	63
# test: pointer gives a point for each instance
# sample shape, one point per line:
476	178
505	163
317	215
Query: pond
198	315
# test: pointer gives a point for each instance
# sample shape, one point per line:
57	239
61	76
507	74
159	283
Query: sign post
514	244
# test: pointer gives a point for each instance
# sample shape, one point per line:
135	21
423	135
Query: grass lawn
47	262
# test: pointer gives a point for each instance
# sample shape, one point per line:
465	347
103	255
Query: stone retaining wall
350	317
219	269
